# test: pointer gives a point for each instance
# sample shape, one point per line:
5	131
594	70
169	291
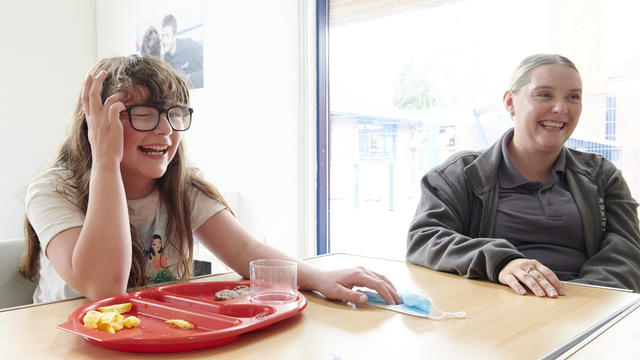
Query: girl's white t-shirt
51	213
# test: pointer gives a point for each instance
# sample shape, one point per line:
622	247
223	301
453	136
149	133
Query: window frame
322	127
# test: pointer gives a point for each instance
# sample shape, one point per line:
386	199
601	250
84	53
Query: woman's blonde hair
165	86
521	75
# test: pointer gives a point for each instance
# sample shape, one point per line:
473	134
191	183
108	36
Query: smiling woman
545	102
529	212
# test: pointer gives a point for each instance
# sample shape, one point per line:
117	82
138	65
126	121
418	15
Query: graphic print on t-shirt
160	255
159	260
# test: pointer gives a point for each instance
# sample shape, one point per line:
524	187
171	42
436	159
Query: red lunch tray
216	322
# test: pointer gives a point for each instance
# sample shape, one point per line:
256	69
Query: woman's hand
338	284
103	121
537	277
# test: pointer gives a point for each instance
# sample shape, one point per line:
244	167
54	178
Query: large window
411	82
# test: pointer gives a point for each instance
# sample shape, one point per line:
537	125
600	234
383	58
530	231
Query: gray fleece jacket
453	227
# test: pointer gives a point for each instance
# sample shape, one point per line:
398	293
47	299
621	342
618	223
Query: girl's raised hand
103	121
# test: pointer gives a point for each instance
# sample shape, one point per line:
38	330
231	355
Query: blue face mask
413	304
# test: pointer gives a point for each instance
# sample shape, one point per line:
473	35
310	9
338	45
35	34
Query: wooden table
621	341
499	323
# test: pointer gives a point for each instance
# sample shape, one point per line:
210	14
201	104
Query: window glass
409	87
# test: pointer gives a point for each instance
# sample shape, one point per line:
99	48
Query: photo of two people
177	39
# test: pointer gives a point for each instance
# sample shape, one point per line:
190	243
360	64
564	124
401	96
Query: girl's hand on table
537	277
338	284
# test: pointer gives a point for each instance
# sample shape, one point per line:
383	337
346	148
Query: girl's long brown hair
175	186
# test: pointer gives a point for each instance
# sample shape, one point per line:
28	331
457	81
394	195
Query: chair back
15	290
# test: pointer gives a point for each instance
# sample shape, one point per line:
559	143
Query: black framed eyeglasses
147	118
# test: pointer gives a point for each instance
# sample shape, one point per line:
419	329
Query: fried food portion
131	321
91	319
226	294
119	308
182	324
110	318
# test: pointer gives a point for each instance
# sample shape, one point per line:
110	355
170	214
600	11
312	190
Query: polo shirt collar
509	175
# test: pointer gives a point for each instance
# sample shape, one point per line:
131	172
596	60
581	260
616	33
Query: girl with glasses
121	189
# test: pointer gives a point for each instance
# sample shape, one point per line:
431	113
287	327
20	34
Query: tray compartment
246	310
152	317
240	308
206	290
181	301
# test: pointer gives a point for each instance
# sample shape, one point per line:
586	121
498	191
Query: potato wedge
182	324
91	319
106	327
119	308
111	320
131	321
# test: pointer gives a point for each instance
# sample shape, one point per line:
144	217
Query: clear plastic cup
273	281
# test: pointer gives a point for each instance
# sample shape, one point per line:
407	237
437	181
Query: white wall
47	47
250	131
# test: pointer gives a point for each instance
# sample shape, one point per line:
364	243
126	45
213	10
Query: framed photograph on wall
176	38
